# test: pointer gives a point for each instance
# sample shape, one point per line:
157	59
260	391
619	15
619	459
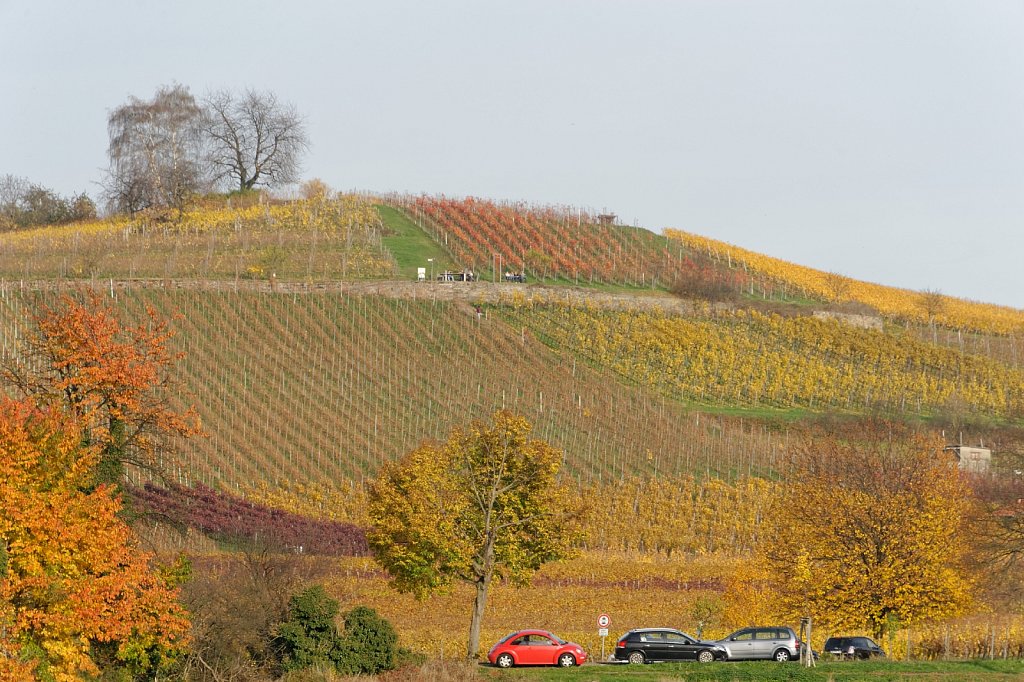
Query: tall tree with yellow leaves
74	587
873	531
485	504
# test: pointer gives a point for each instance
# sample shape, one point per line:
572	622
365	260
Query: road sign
603	620
603	632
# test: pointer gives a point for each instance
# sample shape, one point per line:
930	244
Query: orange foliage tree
874	531
74	588
110	379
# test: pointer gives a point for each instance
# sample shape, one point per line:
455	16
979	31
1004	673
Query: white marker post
603	621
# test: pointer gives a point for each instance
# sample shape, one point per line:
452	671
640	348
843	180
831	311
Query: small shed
973	459
607	218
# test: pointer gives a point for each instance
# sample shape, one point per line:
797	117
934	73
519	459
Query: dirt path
466	292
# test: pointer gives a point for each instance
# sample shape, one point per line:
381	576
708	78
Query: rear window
769	634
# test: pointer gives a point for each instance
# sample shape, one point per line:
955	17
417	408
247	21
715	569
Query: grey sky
883	140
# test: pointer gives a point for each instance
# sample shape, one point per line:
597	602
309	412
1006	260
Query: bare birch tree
155	151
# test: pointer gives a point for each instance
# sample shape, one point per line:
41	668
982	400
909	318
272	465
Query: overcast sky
882	140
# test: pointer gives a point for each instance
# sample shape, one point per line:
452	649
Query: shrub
704	281
309	637
369	644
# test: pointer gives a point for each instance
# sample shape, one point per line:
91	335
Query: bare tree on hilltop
255	140
155	151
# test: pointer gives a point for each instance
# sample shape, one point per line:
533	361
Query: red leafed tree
74	587
110	379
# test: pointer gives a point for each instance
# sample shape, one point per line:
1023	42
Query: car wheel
636	657
566	660
706	656
781	656
505	661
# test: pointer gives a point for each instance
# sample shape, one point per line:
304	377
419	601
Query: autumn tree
111	379
837	286
74	588
485	504
1001	520
255	139
156	151
875	533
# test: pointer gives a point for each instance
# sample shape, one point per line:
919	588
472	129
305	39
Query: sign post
603	621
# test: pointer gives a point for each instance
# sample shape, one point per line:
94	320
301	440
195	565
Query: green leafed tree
487	503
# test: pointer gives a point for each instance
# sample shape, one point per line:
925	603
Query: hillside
307	364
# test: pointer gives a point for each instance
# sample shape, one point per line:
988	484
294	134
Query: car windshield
557	638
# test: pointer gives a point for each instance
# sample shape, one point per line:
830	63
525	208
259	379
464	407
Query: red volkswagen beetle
536	647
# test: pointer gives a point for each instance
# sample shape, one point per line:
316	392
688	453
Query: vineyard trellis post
806	653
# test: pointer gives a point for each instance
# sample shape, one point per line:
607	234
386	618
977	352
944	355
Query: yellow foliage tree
873	532
74	587
485	504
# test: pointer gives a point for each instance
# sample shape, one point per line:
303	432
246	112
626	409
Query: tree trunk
479	604
485	570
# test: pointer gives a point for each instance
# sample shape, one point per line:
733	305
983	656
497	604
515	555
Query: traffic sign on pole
603	621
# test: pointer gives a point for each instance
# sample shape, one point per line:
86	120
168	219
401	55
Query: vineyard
948	311
314	240
324	387
547	242
748	358
682	412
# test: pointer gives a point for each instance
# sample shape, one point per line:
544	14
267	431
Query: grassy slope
410	246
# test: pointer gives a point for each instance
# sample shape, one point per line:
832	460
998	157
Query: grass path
410	245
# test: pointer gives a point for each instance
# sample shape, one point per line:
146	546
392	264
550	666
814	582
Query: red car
536	647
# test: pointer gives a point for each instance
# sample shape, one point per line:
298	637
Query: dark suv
646	645
853	647
780	644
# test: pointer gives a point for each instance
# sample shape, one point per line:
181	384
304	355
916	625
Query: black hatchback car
853	647
646	645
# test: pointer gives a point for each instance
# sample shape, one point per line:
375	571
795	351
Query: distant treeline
24	204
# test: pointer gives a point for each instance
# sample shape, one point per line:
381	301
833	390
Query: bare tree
155	151
255	140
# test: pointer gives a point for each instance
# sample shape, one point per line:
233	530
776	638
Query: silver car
769	643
